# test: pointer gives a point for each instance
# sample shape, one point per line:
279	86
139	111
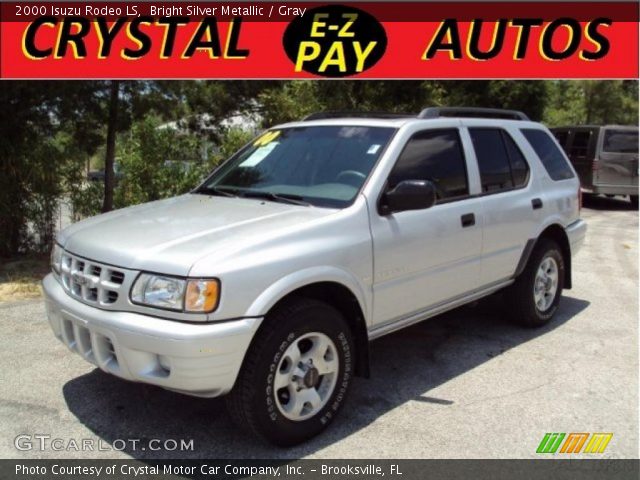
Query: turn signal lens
202	296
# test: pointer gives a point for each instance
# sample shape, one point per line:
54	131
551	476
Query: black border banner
543	469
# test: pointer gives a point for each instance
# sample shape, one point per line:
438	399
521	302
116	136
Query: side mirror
409	195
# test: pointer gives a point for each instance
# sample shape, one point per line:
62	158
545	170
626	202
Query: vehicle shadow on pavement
405	366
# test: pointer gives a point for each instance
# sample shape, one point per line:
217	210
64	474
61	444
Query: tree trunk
109	176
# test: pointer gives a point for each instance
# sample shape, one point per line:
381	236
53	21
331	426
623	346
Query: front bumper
196	359
576	232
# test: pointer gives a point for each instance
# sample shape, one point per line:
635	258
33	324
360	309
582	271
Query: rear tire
634	201
535	295
296	374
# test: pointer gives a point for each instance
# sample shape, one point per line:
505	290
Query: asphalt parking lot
463	385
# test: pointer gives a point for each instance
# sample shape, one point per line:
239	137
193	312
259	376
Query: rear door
618	156
510	206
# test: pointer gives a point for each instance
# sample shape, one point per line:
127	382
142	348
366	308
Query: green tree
156	162
526	96
293	100
592	102
29	160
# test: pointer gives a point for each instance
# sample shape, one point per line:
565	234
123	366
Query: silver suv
267	282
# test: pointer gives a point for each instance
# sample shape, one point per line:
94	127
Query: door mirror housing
408	195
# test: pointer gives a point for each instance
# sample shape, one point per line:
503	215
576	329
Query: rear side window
620	141
434	155
519	165
580	144
549	153
501	163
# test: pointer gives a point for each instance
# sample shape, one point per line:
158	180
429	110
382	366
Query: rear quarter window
620	141
550	155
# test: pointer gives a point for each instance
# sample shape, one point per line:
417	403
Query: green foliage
155	163
29	165
289	101
592	102
41	193
86	199
230	142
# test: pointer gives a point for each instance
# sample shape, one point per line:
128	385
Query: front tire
296	374
634	201
536	293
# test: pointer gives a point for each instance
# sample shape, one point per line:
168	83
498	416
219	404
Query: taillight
594	165
579	199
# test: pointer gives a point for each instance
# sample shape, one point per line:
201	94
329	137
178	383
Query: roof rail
355	114
437	112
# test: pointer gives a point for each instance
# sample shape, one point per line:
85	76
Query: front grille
90	281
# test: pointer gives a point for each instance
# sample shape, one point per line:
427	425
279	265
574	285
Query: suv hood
169	236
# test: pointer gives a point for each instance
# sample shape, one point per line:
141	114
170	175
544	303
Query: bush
156	163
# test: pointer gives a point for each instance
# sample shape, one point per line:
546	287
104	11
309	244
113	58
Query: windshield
322	166
620	141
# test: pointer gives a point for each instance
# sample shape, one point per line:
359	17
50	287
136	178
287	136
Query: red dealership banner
319	40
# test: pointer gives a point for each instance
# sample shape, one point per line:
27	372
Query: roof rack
438	112
355	114
427	113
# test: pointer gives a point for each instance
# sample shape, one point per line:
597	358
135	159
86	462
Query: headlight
193	296
56	257
157	291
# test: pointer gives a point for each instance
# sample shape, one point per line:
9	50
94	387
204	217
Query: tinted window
580	144
434	155
561	136
493	162
519	166
549	153
620	141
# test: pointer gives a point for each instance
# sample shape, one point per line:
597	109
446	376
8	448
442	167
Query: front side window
620	141
549	154
319	165
437	156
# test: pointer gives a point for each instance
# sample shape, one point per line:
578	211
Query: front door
423	258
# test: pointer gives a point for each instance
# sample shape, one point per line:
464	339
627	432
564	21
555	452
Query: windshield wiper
220	191
275	197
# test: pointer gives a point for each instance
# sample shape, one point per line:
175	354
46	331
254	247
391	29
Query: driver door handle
468	220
